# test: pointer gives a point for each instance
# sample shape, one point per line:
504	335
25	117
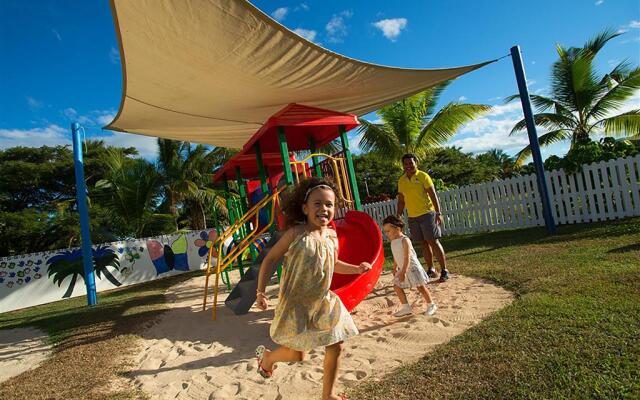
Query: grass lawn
572	331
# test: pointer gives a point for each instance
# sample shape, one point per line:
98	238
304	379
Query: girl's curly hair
295	198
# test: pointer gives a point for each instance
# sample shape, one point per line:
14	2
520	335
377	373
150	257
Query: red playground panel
360	240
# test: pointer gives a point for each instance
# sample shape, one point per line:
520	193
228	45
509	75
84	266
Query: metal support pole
518	67
350	170
85	233
316	164
284	153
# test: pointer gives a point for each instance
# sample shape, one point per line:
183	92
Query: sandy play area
21	349
186	355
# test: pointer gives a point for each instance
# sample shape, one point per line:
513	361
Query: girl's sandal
265	373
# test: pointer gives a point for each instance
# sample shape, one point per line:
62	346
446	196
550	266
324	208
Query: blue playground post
85	233
518	67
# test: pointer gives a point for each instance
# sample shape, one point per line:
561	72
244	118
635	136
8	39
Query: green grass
572	331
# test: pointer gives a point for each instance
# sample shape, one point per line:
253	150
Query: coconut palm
415	125
581	103
187	178
131	192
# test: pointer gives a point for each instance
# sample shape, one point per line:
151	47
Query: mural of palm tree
581	103
69	263
415	125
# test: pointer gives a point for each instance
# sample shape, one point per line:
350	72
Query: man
417	193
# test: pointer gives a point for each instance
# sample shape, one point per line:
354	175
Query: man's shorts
424	227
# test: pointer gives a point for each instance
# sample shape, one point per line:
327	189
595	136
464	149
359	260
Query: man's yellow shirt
414	190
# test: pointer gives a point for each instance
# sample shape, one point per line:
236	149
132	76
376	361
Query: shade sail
214	71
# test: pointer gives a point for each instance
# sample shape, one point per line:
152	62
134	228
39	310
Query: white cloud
461	99
634	24
114	55
33	103
147	146
280	13
599	2
304	6
308	34
70	113
491	131
391	28
94	119
55	135
52	135
105	119
337	28
57	35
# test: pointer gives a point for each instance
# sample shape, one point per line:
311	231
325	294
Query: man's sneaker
431	273
405	309
444	275
431	309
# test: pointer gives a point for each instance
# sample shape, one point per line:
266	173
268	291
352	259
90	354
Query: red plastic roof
300	123
249	166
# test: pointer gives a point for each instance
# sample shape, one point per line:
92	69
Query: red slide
360	240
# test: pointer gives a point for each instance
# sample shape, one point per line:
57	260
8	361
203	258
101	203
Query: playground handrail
339	173
223	262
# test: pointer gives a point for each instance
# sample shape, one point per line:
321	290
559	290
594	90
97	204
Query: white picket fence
601	191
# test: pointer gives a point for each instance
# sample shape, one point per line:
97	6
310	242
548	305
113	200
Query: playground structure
264	169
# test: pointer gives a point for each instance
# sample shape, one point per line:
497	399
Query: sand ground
21	349
186	355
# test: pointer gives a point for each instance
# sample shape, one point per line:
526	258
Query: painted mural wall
39	278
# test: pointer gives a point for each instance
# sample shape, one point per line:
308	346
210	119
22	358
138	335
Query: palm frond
627	83
447	122
377	139
627	123
595	44
544	140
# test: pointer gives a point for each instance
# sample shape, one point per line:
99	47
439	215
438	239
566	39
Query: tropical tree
131	192
187	173
500	163
415	125
581	102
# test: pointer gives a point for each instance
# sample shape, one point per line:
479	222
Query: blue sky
61	63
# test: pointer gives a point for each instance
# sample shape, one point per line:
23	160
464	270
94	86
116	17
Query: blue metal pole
516	57
81	196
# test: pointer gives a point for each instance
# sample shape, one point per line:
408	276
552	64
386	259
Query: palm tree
581	102
131	191
414	125
187	178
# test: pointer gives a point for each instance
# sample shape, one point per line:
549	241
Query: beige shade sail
213	71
